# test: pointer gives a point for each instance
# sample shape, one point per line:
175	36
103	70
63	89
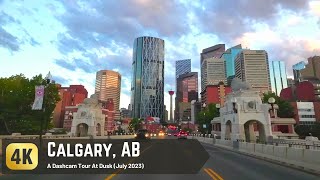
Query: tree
285	108
205	116
135	124
305	130
16	98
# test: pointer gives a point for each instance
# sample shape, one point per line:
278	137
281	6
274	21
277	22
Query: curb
289	165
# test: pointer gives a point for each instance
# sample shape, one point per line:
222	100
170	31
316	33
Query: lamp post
47	81
204	114
272	101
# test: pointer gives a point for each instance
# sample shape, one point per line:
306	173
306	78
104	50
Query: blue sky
74	39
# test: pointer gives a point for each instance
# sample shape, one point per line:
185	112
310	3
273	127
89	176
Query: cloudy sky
74	39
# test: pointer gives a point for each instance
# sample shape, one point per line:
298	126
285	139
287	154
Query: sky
75	39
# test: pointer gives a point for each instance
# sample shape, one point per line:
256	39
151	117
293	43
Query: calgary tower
171	93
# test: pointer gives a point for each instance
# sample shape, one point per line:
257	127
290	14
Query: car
182	135
176	134
169	134
161	133
142	134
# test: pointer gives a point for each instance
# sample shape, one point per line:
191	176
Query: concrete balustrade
308	159
280	151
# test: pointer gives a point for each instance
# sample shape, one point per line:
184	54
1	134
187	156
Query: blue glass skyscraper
296	70
278	76
229	56
182	67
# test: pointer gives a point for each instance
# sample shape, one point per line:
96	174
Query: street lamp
47	81
272	101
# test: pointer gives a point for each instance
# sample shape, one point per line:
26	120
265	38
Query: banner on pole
38	99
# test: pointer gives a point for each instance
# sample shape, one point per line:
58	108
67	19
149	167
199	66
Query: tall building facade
187	90
69	96
215	94
183	66
229	56
147	88
252	66
278	76
296	70
215	51
312	69
213	71
108	86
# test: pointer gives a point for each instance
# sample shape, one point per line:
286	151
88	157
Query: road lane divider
130	161
213	174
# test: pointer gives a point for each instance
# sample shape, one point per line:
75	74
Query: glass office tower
296	70
278	76
229	56
148	78
182	67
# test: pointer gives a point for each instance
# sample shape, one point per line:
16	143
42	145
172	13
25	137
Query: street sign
204	126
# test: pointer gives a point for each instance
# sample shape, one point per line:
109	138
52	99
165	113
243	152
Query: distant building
108	85
312	69
70	96
306	91
278	76
306	113
125	113
187	90
305	99
213	51
215	94
147	87
229	56
182	67
213	71
290	82
195	109
252	66
296	70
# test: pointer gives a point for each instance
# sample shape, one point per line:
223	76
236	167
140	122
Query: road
222	164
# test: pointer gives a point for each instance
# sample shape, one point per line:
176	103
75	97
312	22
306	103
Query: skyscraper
252	66
213	71
215	51
108	85
183	66
229	56
187	90
296	70
148	78
312	69
278	76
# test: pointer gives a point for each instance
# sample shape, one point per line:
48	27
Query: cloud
65	64
230	19
60	80
8	41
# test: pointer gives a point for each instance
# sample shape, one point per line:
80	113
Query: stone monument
89	119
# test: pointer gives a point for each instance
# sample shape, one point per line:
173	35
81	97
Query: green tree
135	124
305	130
205	116
285	108
16	98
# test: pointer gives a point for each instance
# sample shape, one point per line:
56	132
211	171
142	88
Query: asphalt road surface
222	164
